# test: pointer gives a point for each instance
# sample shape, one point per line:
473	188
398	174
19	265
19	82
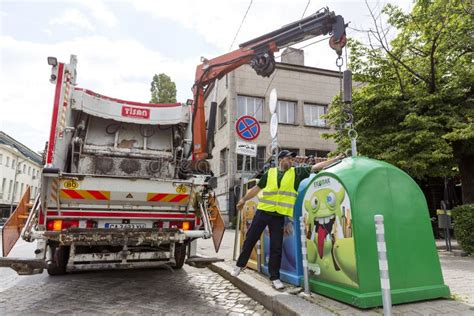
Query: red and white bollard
383	265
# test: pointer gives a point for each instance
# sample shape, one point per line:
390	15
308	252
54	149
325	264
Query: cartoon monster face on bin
323	206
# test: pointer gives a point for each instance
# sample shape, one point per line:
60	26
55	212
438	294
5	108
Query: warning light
52	61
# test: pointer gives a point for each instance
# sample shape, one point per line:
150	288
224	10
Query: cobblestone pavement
458	273
189	291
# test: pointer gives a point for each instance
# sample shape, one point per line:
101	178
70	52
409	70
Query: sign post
272	104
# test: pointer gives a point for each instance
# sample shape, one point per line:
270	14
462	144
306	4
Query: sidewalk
458	274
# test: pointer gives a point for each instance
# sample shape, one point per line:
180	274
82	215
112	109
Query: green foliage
163	90
463	225
415	108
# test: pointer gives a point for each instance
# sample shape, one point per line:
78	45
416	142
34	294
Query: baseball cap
286	153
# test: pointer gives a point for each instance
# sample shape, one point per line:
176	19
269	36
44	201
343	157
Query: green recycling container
339	206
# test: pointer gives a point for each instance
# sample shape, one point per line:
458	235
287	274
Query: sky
121	44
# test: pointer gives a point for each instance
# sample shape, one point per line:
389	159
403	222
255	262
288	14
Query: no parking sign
247	127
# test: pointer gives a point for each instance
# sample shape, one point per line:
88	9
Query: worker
280	188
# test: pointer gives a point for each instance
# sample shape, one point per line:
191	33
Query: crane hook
263	64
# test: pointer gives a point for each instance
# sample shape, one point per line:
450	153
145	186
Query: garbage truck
117	190
128	184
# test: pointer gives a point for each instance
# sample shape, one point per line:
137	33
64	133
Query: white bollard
304	255
383	265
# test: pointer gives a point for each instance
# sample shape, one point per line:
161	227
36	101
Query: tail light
174	224
186	225
59	224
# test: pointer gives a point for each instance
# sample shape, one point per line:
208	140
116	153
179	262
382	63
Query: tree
163	90
416	109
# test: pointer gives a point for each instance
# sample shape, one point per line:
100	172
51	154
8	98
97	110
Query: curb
454	252
279	303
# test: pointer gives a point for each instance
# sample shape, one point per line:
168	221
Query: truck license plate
113	225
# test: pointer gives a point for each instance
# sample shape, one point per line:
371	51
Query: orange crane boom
258	53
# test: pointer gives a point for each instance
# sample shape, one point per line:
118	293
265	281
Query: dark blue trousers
275	225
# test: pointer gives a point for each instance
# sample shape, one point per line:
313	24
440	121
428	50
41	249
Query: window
313	115
4	181
1	159
261	157
21	190
286	112
252	163
24	168
29	170
249	163
223	160
10	189
7	164
316	153
250	106
13	163
222	113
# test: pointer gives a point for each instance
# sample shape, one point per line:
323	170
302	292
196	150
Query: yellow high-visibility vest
279	199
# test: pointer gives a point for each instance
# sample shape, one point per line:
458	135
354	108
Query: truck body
116	190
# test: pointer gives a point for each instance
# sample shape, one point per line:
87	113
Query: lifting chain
347	115
339	63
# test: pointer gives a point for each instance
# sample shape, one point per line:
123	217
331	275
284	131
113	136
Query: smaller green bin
339	206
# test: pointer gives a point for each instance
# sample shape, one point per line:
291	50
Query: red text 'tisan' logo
134	112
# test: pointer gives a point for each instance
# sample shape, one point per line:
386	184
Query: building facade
304	94
20	167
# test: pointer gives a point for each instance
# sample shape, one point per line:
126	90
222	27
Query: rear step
24	266
36	266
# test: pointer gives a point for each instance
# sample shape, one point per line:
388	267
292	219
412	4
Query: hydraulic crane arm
259	54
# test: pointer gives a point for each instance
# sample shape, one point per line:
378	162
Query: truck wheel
179	255
60	258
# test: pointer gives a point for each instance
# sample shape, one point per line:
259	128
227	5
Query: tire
179	256
60	258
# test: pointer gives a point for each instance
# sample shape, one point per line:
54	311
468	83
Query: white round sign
272	103
274	125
